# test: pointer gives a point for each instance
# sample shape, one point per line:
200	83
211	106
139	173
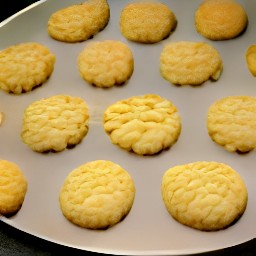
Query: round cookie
13	188
147	22
106	63
231	123
220	19
251	59
79	22
55	123
97	195
24	66
190	63
145	124
204	195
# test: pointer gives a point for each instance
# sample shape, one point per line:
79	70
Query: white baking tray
148	229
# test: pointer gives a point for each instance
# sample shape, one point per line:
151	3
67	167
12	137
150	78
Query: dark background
17	243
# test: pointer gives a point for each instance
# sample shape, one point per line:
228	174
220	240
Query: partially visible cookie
220	19
106	63
147	22
97	195
13	188
55	123
231	123
24	66
145	124
251	59
79	22
204	195
190	63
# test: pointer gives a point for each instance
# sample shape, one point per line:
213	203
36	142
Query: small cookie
144	124
79	22
97	195
192	63
55	123
251	59
106	63
220	19
204	195
25	66
147	22
231	123
13	188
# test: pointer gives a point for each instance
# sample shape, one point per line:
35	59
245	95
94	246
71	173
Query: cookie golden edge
184	192
97	195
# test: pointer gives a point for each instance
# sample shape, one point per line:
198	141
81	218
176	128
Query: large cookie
55	123
97	195
204	195
145	124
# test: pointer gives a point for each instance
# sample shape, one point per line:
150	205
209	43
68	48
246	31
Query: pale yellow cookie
55	123
190	63
145	124
106	63
24	66
79	22
251	59
97	195
231	123
220	19
13	188
204	195
147	22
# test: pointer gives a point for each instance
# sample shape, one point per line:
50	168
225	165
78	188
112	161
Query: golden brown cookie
220	19
190	63
147	22
97	195
55	123
79	22
106	63
24	66
204	195
231	123
13	188
145	124
251	59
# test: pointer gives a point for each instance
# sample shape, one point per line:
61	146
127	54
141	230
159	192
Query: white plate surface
148	229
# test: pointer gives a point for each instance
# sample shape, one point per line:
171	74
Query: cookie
220	19
13	188
106	63
231	123
79	22
55	123
145	124
97	195
204	195
251	59
147	22
190	63
25	66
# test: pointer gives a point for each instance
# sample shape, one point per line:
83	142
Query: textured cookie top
204	195
220	19
143	124
25	66
13	188
97	195
191	63
106	63
55	123
79	22
147	22
251	59
231	122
